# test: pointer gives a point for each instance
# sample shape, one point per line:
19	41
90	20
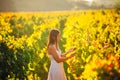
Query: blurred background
54	5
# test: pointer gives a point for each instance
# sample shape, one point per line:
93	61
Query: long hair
52	39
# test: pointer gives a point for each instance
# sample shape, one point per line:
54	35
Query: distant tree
117	5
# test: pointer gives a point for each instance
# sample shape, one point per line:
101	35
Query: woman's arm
58	59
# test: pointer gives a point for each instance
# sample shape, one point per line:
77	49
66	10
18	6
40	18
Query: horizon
53	5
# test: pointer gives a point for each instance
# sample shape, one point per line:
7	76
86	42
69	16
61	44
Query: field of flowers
95	34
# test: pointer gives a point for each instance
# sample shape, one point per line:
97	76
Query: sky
53	5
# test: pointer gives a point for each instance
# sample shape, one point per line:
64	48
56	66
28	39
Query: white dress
56	71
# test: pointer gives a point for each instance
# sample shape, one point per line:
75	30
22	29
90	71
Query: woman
56	71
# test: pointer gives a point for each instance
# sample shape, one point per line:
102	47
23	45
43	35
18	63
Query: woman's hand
71	50
72	55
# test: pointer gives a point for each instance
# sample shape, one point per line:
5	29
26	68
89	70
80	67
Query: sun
89	0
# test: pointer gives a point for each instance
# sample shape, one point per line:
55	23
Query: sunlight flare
89	0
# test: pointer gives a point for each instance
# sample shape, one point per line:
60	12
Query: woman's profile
56	70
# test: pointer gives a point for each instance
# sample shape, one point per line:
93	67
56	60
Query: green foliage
13	63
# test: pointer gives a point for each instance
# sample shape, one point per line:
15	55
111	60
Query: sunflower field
95	34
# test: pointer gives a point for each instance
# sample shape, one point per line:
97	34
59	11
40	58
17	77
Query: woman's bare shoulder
51	48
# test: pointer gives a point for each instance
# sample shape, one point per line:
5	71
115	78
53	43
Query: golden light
89	0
